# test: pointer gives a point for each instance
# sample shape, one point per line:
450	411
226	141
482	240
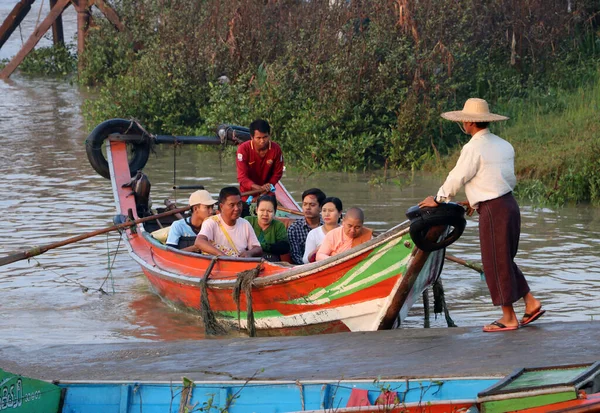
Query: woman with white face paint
271	233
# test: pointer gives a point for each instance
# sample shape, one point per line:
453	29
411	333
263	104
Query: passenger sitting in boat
312	199
226	233
331	213
182	233
259	161
270	232
350	234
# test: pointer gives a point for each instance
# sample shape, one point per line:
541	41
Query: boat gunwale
283	382
288	273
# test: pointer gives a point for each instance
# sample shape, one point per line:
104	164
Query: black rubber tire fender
93	146
418	233
422	219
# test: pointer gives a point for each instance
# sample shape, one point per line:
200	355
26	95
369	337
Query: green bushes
556	139
350	85
51	60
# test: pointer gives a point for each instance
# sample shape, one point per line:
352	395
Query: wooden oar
32	252
253	192
280	208
467	264
291	211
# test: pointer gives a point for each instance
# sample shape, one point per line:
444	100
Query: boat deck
414	353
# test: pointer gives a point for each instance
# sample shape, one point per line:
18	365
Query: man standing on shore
259	160
486	169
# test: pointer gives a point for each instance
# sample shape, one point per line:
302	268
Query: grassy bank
558	153
556	136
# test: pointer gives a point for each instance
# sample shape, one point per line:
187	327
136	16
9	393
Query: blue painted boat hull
263	397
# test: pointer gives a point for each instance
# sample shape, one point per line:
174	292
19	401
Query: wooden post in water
54	20
35	37
58	35
83	23
110	14
14	18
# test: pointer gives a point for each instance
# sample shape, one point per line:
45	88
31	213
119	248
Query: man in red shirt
259	160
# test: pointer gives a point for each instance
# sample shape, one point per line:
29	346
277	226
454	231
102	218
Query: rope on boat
301	390
245	281
439	302
438	296
426	323
83	287
211	325
110	263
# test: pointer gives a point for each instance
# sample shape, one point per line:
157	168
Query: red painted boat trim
177	276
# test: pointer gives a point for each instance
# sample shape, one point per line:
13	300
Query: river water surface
48	192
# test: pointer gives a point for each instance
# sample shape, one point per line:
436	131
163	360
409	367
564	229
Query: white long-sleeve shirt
313	242
486	168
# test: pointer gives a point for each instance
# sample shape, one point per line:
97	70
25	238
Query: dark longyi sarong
499	231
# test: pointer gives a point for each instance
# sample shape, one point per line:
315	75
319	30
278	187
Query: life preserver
422	219
93	146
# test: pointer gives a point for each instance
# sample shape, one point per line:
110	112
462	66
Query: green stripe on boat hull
20	394
502	406
382	263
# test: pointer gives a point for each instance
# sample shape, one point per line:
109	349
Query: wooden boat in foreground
563	389
370	287
557	389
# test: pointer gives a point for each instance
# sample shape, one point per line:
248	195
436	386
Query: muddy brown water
48	192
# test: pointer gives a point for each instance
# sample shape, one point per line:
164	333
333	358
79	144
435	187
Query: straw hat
475	110
201	197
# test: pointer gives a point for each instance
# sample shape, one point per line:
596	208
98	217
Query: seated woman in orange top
350	234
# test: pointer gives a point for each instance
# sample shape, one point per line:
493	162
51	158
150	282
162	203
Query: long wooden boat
573	388
369	287
557	389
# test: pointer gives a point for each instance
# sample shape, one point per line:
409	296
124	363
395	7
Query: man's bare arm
252	252
205	246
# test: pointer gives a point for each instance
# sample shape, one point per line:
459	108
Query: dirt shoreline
404	353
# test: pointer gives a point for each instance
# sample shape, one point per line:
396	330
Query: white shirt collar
481	133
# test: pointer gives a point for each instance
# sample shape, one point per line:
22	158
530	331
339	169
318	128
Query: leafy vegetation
555	136
351	85
559	148
51	60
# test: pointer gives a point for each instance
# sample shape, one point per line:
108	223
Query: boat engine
140	189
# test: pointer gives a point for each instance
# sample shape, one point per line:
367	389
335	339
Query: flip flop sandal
532	317
501	327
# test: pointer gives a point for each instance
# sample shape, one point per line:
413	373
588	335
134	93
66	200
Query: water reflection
49	192
152	320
